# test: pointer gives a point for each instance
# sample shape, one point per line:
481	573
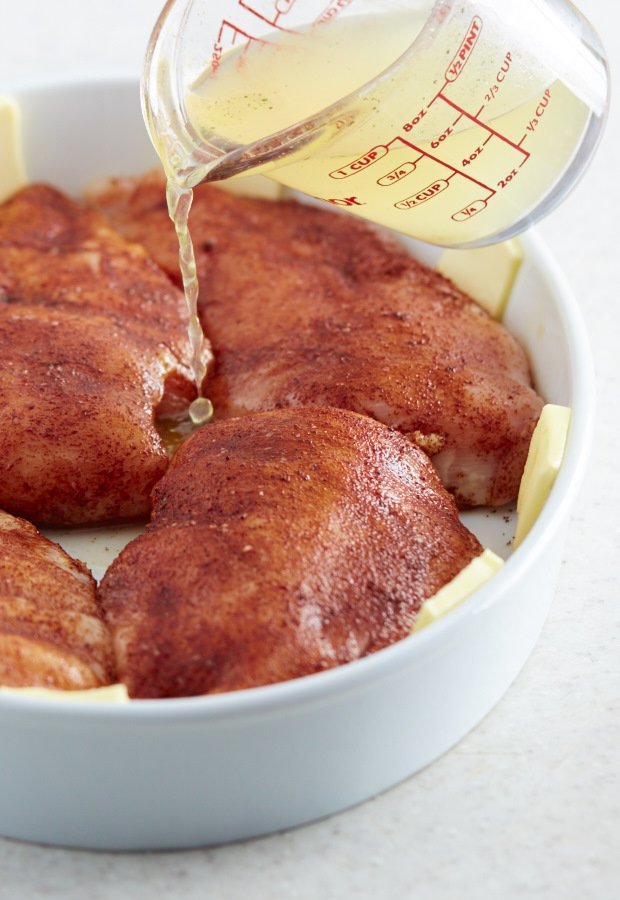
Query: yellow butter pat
111	693
252	186
543	463
460	588
486	274
12	168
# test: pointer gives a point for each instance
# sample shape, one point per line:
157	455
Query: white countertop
528	805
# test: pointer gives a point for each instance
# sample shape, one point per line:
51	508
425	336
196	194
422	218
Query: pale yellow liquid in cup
449	162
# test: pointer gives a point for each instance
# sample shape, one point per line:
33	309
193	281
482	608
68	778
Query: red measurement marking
504	182
445	85
444	163
541	109
255	11
488	128
358	165
407	168
409	126
236	31
427	193
465	50
464	215
271	8
331	10
346	201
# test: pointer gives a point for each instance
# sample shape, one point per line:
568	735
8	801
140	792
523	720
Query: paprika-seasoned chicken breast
281	544
304	306
52	633
93	343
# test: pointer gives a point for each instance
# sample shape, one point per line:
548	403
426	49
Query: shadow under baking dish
195	771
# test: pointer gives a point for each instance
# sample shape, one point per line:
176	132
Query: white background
528	805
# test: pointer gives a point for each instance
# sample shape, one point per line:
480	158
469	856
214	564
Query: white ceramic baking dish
180	773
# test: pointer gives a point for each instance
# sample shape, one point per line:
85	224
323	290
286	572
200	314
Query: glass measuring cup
459	123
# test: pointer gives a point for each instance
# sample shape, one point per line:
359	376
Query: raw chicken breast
282	544
52	633
93	343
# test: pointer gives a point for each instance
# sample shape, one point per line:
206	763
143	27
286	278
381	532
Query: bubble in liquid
201	410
